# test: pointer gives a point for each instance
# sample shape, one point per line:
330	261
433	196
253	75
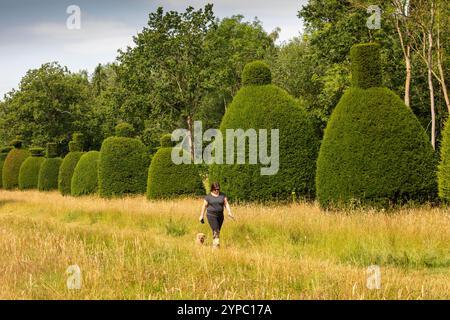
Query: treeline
187	66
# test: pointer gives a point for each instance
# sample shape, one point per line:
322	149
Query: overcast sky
34	32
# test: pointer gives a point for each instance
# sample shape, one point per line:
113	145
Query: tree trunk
190	135
408	76
430	79
439	63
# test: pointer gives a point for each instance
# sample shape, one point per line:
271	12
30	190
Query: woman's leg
216	224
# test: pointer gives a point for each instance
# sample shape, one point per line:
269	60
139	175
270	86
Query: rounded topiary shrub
444	166
29	171
3	154
124	130
12	164
166	179
256	73
122	167
69	163
84	179
269	107
166	141
374	152
48	173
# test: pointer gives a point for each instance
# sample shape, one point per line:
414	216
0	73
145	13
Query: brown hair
215	185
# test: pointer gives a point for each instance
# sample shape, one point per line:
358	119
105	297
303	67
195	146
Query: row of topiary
374	151
121	167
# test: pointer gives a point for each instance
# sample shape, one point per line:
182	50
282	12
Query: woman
213	204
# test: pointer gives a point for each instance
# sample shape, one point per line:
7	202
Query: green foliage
11	167
85	176
50	102
29	170
36	151
166	179
17	142
124	130
256	73
122	167
166	140
3	154
374	152
366	65
444	166
269	107
48	174
52	150
66	172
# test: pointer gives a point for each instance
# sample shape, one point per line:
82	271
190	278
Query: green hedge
29	171
11	167
366	65
444	166
84	179
374	151
66	171
122	167
48	174
269	107
166	179
3	154
166	141
124	130
52	150
256	73
69	163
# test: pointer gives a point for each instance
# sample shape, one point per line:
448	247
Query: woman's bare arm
202	213
227	206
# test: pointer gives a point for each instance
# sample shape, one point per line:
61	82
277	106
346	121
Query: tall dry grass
136	249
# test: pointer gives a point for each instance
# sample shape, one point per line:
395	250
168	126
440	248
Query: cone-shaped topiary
3	154
444	166
374	152
166	179
12	164
269	107
69	163
84	179
122	166
29	171
48	173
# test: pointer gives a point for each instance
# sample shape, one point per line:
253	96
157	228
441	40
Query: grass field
136	249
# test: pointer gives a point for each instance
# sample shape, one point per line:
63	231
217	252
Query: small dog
200	239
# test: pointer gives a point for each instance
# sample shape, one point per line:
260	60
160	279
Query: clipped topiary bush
122	167
166	179
84	179
366	65
256	73
3	154
29	171
12	164
269	107
444	166
166	141
48	173
69	163
124	130
374	152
